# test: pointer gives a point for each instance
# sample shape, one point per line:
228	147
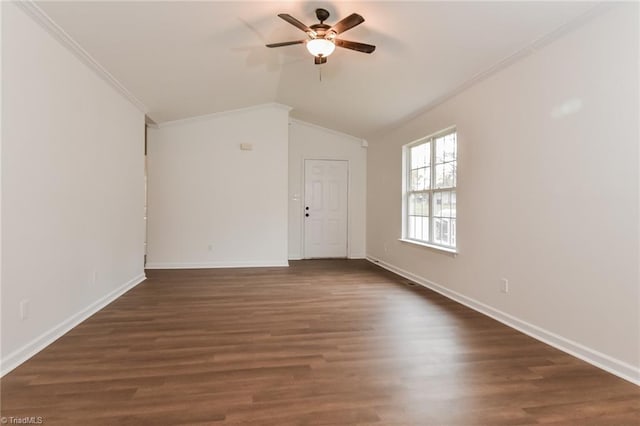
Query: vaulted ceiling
183	59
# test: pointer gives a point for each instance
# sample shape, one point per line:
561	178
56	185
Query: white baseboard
348	257
212	265
22	354
605	362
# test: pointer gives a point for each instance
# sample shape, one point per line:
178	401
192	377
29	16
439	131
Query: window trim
406	177
449	250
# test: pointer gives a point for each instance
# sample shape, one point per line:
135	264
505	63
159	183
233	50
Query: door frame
304	199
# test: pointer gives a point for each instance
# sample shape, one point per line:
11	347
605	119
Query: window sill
447	250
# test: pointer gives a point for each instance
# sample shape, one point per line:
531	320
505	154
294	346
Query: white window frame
406	190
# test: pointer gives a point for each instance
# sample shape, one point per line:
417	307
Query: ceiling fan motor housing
322	15
321	31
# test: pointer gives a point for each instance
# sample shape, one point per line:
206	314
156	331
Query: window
430	190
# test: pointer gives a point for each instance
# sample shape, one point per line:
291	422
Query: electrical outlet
504	285
24	309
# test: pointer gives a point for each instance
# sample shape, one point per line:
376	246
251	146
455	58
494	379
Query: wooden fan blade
293	21
354	45
318	60
347	23
285	43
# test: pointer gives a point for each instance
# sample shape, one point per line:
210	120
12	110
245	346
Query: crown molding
196	118
522	53
41	18
361	141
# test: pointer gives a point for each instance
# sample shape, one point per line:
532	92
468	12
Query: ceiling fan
322	39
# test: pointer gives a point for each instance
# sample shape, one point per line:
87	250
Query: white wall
548	194
212	204
307	141
72	188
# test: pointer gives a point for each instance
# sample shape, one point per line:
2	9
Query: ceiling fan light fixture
322	38
320	47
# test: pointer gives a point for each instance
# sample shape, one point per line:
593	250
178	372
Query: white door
325	208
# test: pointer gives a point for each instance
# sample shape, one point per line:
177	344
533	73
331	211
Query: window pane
437	230
441	231
439	176
418	228
420	179
418	233
425	228
437	204
453	232
446	148
415	154
419	156
427	150
411	228
453	204
418	204
449	175
446	235
422	204
427	178
440	150
445	175
446	204
450	147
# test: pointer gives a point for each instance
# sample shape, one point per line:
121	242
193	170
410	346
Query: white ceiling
183	59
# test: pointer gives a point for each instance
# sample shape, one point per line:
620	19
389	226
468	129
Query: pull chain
320	73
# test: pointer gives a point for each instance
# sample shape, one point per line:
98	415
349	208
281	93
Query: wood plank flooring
322	342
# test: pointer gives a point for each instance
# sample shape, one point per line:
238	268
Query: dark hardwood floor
322	342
